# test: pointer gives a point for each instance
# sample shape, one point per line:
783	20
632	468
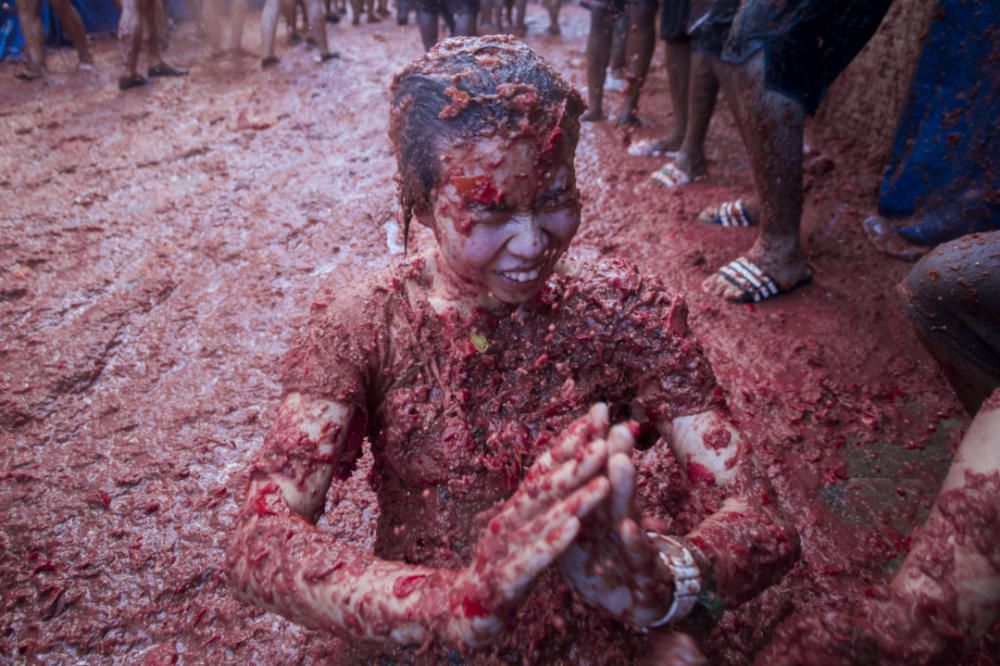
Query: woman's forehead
488	154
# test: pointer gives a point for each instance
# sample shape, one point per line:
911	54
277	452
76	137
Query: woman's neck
449	292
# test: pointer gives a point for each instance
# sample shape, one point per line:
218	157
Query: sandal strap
748	277
734	214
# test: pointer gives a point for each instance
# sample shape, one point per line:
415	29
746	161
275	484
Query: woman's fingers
592	424
620	440
538	493
539	543
621	474
636	547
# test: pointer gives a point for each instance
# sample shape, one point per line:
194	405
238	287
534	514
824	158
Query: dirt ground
158	248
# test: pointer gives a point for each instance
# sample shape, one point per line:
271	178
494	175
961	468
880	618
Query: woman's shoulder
613	283
618	289
368	290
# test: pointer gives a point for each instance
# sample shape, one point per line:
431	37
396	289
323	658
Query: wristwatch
678	559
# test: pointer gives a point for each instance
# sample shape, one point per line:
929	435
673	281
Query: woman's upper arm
707	439
311	440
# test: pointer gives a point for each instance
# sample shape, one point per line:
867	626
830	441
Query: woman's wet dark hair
468	87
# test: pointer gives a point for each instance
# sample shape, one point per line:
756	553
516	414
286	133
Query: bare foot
758	275
131	81
163	69
672	143
695	166
628	118
30	73
737	213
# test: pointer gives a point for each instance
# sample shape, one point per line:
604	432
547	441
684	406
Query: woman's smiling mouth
521	276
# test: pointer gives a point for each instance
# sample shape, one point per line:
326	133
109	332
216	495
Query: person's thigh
954	294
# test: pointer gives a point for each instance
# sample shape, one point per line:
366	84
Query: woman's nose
529	239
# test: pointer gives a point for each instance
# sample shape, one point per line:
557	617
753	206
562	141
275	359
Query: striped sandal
670	175
729	214
754	284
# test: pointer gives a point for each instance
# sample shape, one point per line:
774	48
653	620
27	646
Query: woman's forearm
285	564
745	549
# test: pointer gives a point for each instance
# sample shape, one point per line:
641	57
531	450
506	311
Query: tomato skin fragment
472	608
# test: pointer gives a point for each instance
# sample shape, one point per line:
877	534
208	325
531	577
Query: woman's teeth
521	276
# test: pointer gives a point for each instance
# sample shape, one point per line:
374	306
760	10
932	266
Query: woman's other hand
613	565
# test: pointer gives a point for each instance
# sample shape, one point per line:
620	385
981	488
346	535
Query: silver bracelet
687	578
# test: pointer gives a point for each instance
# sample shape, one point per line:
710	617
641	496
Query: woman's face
504	212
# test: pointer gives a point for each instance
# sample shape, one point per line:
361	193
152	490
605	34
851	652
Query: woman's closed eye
488	213
555	199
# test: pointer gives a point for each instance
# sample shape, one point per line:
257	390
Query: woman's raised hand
532	530
613	565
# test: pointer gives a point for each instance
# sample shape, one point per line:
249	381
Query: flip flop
129	82
29	74
649	148
754	284
670	175
728	214
165	70
613	83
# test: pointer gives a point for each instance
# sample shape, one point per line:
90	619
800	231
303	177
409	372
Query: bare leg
162	23
619	37
496	19
269	25
237	17
465	24
703	91
157	67
953	299
486	16
34	38
130	39
598	55
553	7
289	10
318	27
73	26
212	17
639	52
427	22
679	75
520	8
772	126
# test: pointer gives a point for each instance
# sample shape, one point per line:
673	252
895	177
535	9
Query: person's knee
933	290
